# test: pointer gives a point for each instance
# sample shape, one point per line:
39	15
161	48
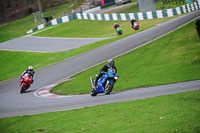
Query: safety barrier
123	16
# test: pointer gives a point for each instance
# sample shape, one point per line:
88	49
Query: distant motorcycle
105	83
135	26
25	82
119	31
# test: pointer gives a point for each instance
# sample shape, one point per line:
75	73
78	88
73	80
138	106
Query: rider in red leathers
31	71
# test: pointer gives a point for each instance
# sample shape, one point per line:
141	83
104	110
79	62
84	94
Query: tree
39	5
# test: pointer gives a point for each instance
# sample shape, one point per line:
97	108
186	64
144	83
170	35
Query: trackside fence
122	16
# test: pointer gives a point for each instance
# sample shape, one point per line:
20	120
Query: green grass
62	9
172	58
14	63
84	29
16	28
163	114
87	29
19	27
95	29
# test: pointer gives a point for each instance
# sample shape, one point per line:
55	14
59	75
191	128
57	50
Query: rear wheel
109	87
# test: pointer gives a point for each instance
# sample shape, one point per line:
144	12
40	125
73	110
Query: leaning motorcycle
119	31
135	26
105	83
25	82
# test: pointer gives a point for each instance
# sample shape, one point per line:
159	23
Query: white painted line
66	38
26	50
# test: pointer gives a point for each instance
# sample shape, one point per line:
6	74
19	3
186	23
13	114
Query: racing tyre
23	88
109	87
93	92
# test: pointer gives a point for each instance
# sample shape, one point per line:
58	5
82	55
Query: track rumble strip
44	92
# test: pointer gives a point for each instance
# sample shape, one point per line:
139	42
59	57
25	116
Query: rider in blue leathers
105	70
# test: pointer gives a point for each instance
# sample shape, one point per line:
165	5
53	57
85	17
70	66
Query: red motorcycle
136	26
25	82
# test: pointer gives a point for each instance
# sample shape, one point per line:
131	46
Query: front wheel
93	92
23	88
109	87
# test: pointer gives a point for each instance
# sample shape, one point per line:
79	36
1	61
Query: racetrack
13	103
46	44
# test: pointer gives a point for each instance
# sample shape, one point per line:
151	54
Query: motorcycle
25	82
136	26
105	83
119	31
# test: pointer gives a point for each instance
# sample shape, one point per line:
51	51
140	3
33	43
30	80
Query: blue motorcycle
105	83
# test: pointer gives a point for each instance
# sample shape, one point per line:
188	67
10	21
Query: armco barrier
123	16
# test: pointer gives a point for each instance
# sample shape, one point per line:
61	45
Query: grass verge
172	58
95	29
14	63
171	113
19	27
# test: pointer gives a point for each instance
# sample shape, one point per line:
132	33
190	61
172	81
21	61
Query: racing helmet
30	68
111	62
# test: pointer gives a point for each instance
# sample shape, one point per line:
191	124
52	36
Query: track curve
12	103
46	44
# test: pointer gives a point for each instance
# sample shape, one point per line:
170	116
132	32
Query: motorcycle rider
30	71
115	26
105	69
132	22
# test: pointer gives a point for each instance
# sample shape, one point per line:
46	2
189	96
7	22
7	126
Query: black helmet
110	62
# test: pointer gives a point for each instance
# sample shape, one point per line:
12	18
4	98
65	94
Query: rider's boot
95	83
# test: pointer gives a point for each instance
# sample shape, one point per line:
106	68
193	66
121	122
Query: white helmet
30	68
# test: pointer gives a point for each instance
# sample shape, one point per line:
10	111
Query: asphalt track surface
46	44
13	103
